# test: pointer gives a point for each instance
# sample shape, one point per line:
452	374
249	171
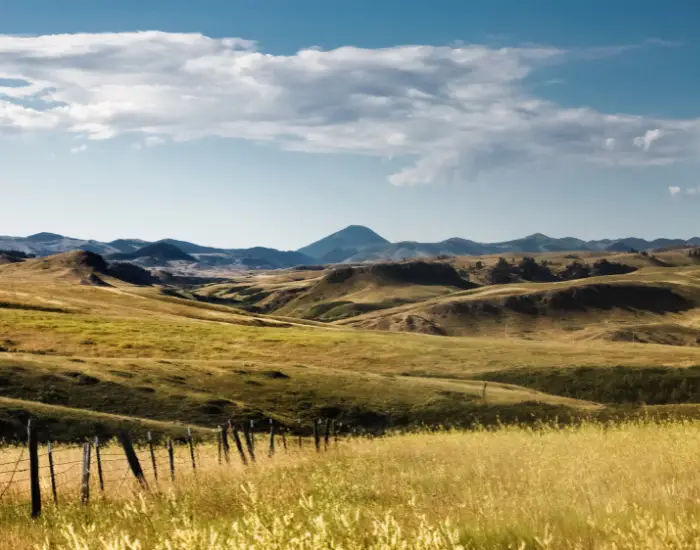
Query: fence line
57	470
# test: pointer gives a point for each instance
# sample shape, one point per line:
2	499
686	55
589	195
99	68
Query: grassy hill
340	292
656	305
146	352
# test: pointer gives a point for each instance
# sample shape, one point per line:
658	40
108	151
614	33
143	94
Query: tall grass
628	486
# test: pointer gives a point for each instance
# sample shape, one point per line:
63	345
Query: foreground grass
630	486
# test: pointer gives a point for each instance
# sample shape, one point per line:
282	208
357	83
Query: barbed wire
19	459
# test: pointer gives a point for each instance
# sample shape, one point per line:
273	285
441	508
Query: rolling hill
341	292
164	354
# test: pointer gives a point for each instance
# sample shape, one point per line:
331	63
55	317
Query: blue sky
568	118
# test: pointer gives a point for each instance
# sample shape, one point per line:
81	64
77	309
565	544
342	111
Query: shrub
575	270
530	270
604	267
502	272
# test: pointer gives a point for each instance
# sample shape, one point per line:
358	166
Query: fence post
191	444
33	444
153	456
219	444
327	434
284	439
249	442
317	437
224	442
85	478
132	459
49	451
271	452
239	445
171	459
252	435
99	464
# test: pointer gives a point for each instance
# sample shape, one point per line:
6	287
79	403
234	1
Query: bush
530	270
502	272
575	270
604	267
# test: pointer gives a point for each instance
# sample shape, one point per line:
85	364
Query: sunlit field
625	486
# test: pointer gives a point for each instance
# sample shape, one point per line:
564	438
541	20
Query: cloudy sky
274	122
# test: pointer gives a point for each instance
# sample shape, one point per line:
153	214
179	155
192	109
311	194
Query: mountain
191	248
260	257
155	254
344	244
128	245
539	242
354	244
46	244
534	243
411	249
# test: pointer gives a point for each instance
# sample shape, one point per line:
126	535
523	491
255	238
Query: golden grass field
85	354
629	486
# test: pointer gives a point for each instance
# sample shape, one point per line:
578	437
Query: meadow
576	440
86	356
631	485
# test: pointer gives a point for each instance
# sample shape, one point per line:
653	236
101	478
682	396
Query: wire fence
41	473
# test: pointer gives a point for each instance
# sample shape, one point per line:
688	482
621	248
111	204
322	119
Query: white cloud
649	137
450	112
79	149
676	191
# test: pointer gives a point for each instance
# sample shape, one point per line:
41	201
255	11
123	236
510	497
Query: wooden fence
42	471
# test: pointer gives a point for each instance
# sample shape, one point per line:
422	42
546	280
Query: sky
273	123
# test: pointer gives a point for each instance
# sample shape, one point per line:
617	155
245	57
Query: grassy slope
134	351
58	422
486	311
311	295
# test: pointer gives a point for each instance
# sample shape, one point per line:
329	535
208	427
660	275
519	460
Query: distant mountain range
360	244
353	244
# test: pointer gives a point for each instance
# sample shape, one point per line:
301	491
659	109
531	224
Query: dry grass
168	358
629	486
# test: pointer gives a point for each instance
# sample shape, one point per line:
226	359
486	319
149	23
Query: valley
88	344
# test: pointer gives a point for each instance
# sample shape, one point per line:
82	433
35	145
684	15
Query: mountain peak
346	241
44	237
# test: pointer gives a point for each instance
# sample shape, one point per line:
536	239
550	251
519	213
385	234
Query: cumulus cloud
449	112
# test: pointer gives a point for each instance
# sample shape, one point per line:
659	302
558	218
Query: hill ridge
354	243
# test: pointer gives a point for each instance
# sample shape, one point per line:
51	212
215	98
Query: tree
575	270
530	270
501	273
604	267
